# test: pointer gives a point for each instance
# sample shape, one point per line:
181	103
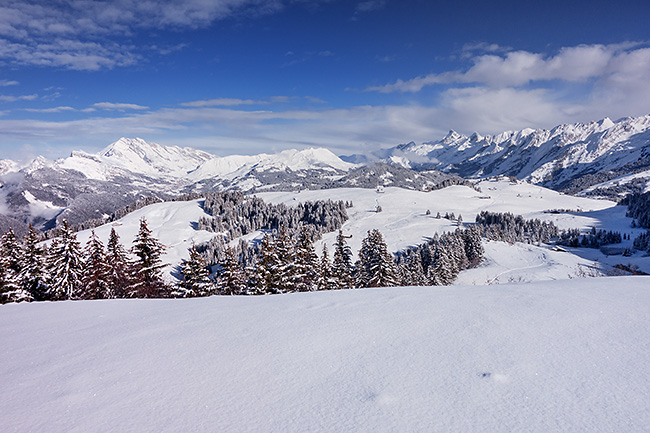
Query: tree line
33	271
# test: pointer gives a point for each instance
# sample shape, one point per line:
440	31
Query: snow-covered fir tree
305	269
96	278
66	265
33	276
195	277
121	270
265	271
11	266
342	262
326	280
149	281
232	278
376	266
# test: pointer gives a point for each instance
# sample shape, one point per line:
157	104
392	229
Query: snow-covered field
403	222
542	357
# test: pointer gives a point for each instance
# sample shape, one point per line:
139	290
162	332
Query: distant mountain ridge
87	186
569	157
605	158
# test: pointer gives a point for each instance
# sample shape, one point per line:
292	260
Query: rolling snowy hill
403	222
542	357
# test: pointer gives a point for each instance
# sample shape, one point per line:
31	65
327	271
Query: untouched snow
172	223
541	357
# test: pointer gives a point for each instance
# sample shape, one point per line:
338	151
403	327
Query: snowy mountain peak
139	156
451	137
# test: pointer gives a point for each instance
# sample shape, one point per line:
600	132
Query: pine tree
33	275
376	265
305	272
440	272
96	278
285	267
65	265
473	245
121	270
10	268
232	278
149	280
326	280
342	262
196	278
265	275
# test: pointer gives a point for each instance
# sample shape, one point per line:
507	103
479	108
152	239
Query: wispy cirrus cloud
13	98
7	83
222	102
50	110
117	106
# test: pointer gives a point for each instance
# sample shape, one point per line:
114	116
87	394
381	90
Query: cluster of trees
32	271
285	264
642	242
507	227
236	214
638	207
593	239
438	261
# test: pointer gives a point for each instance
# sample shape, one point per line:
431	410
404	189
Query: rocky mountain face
569	157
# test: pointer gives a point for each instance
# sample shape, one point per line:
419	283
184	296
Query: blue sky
251	76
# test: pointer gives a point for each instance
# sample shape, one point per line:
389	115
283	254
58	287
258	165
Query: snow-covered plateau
540	357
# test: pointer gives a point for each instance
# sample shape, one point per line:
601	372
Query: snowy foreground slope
543	357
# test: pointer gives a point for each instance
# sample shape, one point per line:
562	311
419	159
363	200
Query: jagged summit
551	157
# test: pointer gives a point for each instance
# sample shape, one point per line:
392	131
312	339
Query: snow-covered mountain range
569	157
605	158
85	186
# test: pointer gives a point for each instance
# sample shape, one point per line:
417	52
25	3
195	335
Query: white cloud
370	5
79	34
221	102
7	83
110	106
517	68
50	110
12	98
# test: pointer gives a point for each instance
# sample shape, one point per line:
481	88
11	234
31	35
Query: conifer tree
65	265
148	266
285	267
264	272
376	266
121	270
96	278
440	272
305	272
342	262
232	278
196	278
10	268
33	275
326	280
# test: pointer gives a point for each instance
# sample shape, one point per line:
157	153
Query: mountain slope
88	186
567	157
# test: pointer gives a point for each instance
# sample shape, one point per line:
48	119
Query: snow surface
543	357
404	223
